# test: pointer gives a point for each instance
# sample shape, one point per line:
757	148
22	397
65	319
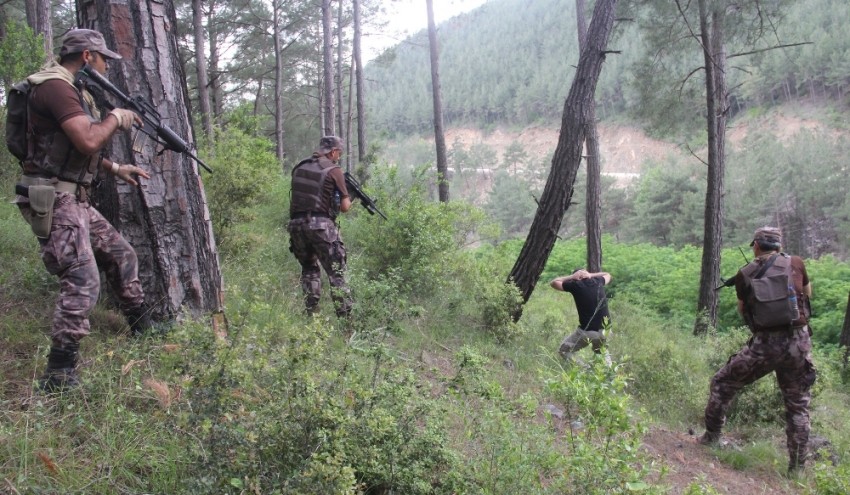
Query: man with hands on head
66	139
588	290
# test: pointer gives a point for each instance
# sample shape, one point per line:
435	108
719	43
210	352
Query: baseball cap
769	235
78	40
328	143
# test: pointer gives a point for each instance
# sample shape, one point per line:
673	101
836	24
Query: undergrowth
436	392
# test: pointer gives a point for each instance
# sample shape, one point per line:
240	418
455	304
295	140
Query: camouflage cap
767	235
79	40
330	143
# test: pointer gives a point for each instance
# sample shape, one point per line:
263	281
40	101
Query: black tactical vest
308	187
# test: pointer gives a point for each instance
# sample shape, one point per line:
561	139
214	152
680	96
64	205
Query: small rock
554	411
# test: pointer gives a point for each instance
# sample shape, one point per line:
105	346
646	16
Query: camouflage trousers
316	243
786	353
579	340
81	243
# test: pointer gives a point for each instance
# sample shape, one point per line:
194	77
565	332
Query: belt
59	185
309	214
780	331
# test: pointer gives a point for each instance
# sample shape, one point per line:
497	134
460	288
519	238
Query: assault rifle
153	126
730	282
356	191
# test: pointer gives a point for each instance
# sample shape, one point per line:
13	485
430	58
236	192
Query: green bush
603	436
419	242
831	480
296	420
245	170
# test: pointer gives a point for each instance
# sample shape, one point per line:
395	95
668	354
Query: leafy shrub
496	301
295	419
831	480
603	436
419	241
245	168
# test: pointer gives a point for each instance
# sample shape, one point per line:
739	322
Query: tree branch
761	50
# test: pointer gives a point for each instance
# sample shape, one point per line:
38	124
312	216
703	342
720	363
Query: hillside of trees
498	74
510	62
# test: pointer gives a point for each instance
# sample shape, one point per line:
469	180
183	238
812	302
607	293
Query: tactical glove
125	118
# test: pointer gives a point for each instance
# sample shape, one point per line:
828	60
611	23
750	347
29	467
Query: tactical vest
55	156
308	187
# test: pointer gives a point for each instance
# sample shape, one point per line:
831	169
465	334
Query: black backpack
17	120
773	298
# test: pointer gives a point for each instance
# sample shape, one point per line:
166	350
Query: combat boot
139	319
61	374
709	438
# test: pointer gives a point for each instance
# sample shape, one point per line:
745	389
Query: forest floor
688	462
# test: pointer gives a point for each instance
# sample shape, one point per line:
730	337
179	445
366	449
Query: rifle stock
355	190
153	125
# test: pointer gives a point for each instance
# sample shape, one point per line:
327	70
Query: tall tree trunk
201	68
844	338
559	186
358	74
594	169
338	80
166	219
217	92
327	72
348	114
278	89
39	19
439	133
714	53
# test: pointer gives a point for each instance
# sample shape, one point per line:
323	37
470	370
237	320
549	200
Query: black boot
61	371
139	319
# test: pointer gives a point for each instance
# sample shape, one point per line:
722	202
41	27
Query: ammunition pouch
41	210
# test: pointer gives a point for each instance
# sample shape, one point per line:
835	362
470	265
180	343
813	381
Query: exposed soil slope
688	462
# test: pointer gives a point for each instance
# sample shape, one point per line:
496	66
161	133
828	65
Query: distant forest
510	62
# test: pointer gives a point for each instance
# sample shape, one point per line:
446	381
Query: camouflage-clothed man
318	194
65	140
784	350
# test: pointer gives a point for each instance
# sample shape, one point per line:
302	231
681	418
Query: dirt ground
623	149
688	462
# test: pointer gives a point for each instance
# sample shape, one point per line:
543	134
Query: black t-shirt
591	302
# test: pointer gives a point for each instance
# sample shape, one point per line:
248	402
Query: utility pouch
41	205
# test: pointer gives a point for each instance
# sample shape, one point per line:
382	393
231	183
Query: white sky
409	16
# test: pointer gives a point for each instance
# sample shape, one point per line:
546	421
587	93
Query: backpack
17	120
773	298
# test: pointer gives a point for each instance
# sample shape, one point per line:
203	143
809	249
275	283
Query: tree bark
39	19
338	80
559	186
358	74
439	133
166	219
327	73
844	338
201	68
714	53
593	193
217	92
278	88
